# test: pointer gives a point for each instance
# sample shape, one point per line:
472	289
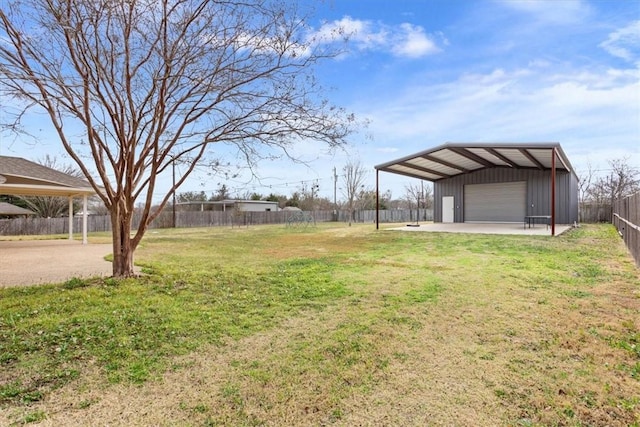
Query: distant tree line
621	180
355	194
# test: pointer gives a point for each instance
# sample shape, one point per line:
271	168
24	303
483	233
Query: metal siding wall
459	204
538	191
562	194
567	198
437	203
444	188
574	202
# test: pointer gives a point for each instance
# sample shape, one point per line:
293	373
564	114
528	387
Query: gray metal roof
19	176
456	158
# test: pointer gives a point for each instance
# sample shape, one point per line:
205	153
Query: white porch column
84	220
70	217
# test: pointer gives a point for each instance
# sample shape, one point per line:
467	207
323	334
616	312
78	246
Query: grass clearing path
333	325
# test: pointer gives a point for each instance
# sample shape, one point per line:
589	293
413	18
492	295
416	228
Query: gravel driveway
30	262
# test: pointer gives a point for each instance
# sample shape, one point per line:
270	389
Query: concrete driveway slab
30	262
484	228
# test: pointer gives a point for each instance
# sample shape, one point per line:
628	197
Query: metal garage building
495	182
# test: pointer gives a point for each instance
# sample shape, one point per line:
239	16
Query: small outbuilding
7	209
230	205
495	182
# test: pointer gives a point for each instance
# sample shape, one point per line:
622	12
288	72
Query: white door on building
447	209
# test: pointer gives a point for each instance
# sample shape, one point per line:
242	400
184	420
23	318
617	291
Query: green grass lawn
333	325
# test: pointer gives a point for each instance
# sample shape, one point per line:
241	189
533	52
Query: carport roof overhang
21	177
44	190
457	158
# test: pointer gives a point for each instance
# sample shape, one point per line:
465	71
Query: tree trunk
123	247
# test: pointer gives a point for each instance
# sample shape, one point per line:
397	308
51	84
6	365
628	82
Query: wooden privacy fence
594	212
187	219
626	219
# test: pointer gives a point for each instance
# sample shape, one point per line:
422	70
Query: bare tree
421	195
307	195
150	82
585	181
622	180
354	175
427	195
96	206
413	195
51	206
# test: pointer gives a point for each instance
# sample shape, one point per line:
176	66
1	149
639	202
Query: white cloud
334	31
624	43
557	12
404	40
412	42
591	115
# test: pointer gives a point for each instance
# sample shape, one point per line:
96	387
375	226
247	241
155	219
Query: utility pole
424	205
315	188
335	192
173	170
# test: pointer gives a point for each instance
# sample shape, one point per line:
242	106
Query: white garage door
503	202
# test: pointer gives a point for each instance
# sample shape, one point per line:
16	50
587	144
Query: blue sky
427	72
